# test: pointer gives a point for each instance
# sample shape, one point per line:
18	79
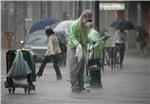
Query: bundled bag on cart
28	57
19	70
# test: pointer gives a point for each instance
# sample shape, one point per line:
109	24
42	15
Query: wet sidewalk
129	85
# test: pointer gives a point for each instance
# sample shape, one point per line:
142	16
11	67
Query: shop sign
112	6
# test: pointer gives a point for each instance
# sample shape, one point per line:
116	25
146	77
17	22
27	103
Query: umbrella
42	24
122	24
63	26
130	26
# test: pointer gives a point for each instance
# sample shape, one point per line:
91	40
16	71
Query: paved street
131	85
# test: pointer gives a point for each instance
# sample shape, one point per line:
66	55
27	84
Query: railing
110	56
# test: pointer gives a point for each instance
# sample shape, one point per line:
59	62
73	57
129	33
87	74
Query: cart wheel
13	90
28	90
9	90
25	90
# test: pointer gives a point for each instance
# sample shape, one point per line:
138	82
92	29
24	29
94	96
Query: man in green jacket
78	33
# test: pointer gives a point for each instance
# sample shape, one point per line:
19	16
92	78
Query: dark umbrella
129	25
42	24
122	24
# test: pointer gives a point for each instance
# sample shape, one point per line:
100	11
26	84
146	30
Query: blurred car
37	42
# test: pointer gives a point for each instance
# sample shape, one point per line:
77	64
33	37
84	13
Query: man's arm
73	38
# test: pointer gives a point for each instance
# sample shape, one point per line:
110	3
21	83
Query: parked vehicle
37	41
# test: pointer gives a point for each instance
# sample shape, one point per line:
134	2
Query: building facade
18	16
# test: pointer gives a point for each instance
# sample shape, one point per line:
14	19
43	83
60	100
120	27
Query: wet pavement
130	85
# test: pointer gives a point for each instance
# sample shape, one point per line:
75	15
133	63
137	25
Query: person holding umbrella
52	53
120	38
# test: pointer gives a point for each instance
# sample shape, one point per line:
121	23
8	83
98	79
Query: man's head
49	32
86	17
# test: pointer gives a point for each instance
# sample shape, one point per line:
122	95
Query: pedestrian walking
77	49
52	54
120	38
141	43
141	38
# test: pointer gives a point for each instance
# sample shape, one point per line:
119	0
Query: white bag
79	53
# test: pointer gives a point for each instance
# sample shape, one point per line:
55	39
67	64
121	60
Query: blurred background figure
120	38
141	39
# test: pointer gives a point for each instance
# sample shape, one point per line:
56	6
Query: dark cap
49	31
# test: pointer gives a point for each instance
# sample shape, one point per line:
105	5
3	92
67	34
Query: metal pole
73	10
139	12
97	15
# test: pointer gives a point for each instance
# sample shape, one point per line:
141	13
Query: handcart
94	67
25	82
94	70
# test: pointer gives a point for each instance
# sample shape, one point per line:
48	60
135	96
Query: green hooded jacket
78	33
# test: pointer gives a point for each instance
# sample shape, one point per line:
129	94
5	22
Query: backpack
62	41
62	46
63	49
